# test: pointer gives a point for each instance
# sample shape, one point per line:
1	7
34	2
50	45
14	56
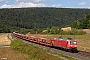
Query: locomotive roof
63	39
60	39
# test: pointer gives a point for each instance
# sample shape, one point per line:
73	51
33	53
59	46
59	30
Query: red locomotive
68	44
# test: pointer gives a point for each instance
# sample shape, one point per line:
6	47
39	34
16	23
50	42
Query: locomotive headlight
71	45
75	45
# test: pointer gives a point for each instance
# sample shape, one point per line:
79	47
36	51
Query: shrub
16	44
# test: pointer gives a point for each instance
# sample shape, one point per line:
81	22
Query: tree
82	23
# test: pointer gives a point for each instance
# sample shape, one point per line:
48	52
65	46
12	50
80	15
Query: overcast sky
45	3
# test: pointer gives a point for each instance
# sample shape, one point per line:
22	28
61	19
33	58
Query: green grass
36	53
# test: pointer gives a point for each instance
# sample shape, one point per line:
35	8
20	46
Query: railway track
86	54
81	55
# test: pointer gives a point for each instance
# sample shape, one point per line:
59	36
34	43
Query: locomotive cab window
73	42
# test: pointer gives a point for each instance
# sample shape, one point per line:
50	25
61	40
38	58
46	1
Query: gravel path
4	40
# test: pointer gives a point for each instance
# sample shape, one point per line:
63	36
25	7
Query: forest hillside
30	18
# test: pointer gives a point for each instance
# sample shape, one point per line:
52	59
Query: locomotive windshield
73	42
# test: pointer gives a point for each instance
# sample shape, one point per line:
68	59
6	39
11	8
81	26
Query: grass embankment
36	53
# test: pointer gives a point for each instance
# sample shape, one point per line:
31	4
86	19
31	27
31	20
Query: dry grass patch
10	54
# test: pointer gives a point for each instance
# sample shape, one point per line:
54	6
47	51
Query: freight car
67	44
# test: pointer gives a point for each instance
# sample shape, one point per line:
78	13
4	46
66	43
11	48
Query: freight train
67	44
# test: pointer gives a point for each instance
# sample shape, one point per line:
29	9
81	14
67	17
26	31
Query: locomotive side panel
60	43
64	44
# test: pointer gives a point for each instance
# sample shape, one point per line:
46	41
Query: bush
16	44
77	32
73	32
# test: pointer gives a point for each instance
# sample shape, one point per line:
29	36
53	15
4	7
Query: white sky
45	3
